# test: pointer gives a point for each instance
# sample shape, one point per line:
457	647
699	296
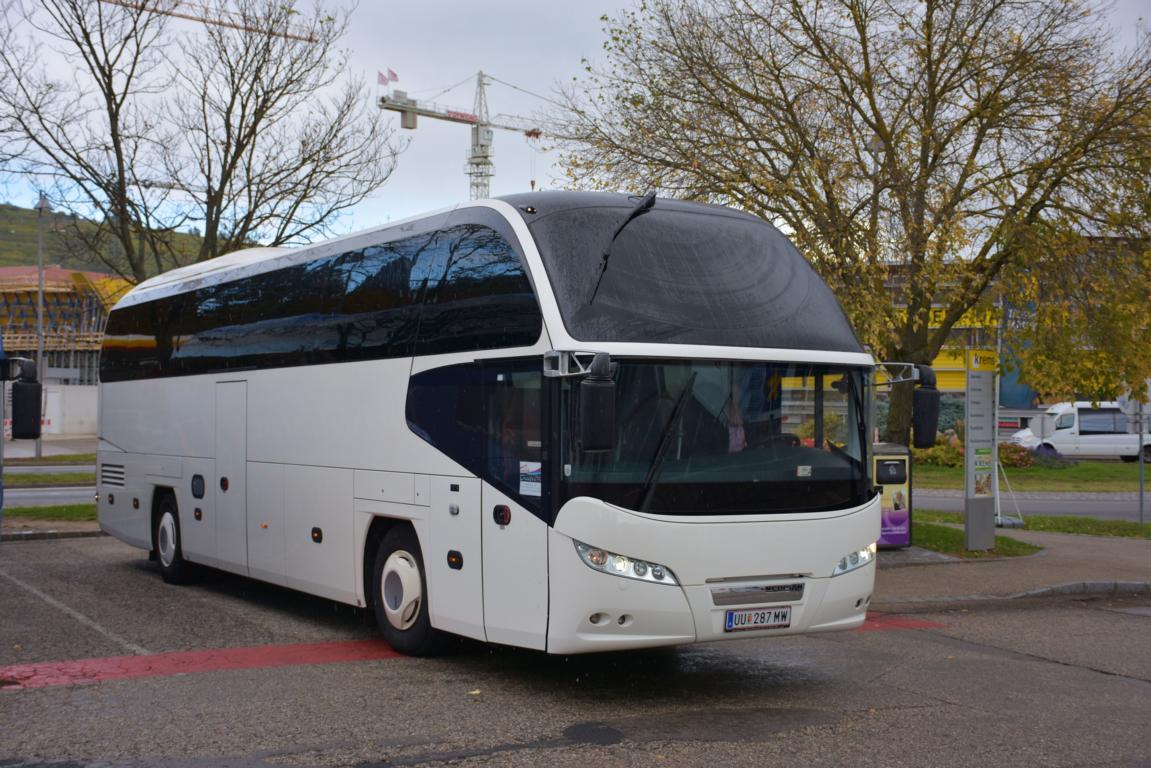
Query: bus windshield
720	438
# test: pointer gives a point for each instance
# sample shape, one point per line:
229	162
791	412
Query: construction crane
479	168
192	11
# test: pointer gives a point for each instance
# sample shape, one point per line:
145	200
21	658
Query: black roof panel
682	273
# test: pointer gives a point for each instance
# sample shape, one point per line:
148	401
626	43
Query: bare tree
913	147
238	128
262	156
86	131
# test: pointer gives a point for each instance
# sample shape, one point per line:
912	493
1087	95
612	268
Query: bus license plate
758	618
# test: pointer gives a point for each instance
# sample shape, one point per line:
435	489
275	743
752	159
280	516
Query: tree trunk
899	414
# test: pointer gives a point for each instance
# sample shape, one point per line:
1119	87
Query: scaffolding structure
76	306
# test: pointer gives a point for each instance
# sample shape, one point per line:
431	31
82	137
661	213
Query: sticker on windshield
803	470
531	474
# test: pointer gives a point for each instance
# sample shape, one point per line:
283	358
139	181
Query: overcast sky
435	43
533	44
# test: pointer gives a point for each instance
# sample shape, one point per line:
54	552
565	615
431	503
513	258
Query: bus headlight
857	559
621	565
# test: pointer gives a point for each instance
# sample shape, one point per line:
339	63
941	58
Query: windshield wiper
664	441
643	206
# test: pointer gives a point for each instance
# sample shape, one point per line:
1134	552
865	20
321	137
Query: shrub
1012	455
1049	458
942	454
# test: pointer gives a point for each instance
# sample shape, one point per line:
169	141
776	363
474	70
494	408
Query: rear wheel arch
167	541
376	532
159	492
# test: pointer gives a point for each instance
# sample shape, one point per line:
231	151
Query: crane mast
479	167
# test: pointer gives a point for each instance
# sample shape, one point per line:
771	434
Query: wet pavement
1061	681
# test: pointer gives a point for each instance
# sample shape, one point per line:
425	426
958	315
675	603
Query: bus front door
515	545
514	538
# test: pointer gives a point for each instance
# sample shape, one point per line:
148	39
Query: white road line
130	646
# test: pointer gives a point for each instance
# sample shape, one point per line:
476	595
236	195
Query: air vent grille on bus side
112	474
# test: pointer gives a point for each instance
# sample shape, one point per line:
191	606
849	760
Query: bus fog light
855	560
622	565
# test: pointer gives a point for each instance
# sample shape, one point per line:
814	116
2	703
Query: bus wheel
399	593
166	541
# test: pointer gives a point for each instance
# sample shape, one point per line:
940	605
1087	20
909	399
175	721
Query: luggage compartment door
231	475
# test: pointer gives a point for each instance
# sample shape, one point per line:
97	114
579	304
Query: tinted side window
445	408
359	305
138	341
267	320
487	417
480	298
372	314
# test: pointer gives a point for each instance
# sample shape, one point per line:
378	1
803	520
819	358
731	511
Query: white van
1085	429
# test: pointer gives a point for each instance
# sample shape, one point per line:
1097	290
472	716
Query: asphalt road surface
232	672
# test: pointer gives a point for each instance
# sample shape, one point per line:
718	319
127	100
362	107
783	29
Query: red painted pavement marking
79	671
878	622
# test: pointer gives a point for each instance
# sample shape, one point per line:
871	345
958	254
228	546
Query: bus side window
487	419
481	299
440	410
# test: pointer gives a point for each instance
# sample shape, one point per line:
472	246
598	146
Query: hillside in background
18	241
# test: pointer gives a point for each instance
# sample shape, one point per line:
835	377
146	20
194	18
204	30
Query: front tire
400	594
174	569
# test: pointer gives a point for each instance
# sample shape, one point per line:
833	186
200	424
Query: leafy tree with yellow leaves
914	149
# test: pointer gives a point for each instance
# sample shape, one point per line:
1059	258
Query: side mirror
925	409
597	407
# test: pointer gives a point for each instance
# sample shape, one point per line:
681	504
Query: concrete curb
44	535
1057	590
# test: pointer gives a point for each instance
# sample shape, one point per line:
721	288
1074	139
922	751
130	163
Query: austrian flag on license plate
758	618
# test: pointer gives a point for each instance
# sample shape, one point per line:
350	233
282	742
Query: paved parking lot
102	663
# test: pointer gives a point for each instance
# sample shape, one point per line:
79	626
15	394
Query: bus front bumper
592	611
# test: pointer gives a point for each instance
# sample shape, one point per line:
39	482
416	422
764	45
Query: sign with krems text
980	460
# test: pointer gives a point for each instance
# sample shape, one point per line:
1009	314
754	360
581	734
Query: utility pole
42	207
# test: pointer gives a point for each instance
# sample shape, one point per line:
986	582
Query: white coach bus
563	421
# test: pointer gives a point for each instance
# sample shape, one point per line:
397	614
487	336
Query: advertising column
981	458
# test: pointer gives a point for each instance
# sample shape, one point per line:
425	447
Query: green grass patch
1084	476
51	461
74	512
19	480
950	541
1087	526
